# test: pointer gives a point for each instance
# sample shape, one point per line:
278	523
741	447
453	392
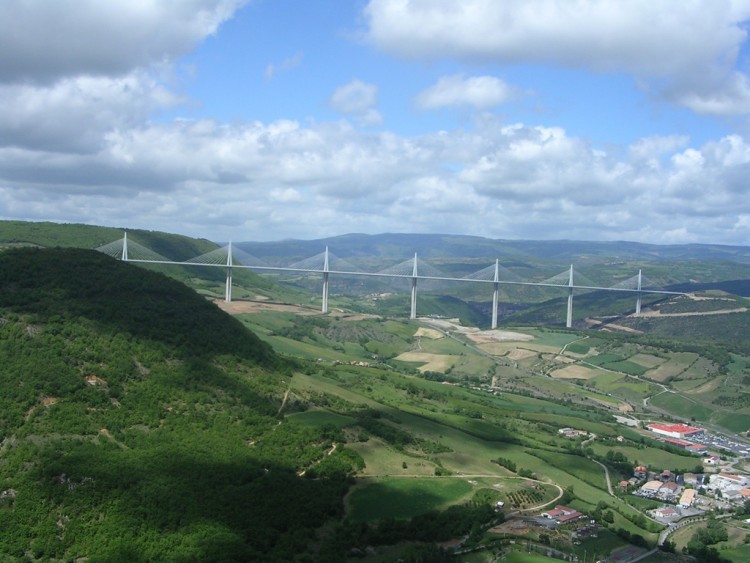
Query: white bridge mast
413	314
125	247
569	320
495	293
326	270
638	299
228	289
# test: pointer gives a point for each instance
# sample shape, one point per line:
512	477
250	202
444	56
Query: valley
422	439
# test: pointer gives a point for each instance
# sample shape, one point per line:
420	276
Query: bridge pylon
495	293
228	288
326	270
569	319
638	298
413	314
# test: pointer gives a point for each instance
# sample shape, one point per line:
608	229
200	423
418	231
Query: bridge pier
413	313
324	308
638	299
495	293
569	319
228	287
125	247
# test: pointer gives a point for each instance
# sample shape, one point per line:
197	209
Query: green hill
208	281
139	422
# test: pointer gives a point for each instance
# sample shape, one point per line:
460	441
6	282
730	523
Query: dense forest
140	422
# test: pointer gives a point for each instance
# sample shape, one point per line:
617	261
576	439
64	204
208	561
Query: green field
682	406
402	498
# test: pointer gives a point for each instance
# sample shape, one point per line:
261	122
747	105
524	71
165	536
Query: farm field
440	424
402	498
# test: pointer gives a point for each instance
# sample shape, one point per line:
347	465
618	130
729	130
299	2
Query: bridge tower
569	320
125	247
638	299
324	308
228	289
413	314
495	293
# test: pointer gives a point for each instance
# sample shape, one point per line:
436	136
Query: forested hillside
139	422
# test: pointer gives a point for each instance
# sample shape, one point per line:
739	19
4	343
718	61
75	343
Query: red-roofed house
562	514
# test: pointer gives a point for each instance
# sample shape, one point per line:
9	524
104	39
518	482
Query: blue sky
264	120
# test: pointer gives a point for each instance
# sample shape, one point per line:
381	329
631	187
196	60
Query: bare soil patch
431	362
652	313
573	372
486	336
244	307
430	333
521	354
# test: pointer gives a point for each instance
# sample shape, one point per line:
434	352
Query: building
712	460
690	479
562	514
688	498
669	489
727	481
665	512
651	488
678	431
682	444
572	432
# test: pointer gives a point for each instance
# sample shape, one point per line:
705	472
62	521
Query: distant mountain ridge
404	245
357	245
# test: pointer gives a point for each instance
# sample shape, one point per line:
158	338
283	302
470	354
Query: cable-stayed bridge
326	264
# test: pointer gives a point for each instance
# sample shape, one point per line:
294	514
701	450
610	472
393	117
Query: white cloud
283	179
287	64
74	114
685	51
79	141
481	92
42	41
359	99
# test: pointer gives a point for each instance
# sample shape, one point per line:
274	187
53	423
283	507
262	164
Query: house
562	514
711	460
688	498
572	432
669	490
690	479
640	472
651	488
665	512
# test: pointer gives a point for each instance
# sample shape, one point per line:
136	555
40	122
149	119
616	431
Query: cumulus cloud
358	99
686	51
287	64
481	92
79	140
43	41
514	181
75	113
